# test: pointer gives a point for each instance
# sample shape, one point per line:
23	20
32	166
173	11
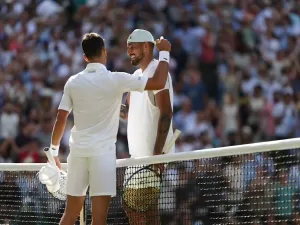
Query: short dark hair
92	45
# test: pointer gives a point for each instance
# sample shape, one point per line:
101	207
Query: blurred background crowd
235	66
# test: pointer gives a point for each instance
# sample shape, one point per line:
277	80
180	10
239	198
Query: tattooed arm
125	108
162	99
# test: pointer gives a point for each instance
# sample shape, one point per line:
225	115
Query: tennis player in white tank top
95	96
149	116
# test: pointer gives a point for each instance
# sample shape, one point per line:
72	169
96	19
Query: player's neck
143	65
97	60
90	62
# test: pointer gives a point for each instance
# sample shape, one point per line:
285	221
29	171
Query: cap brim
140	41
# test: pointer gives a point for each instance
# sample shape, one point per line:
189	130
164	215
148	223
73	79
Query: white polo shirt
143	116
95	96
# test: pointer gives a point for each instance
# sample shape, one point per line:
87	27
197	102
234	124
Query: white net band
292	143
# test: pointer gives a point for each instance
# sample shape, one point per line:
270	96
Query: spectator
185	117
31	152
230	115
9	121
195	89
284	193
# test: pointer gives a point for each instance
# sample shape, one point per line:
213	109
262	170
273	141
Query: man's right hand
163	45
124	111
57	161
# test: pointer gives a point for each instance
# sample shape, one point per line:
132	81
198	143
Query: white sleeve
66	101
129	82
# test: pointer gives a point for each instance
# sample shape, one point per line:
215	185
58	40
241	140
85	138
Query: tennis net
247	184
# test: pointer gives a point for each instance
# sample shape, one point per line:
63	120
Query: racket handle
172	141
49	156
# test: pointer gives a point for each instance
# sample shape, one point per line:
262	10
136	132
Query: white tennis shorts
143	179
97	172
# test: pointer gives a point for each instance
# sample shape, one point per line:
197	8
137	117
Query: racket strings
142	189
141	199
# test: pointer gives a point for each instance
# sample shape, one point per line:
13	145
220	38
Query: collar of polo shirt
92	67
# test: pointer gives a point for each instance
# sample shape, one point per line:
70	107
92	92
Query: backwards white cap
139	35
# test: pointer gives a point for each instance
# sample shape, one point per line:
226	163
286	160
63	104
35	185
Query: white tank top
143	117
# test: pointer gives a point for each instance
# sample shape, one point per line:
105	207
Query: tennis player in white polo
149	116
95	96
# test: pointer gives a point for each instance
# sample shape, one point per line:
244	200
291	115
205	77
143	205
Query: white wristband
164	56
54	149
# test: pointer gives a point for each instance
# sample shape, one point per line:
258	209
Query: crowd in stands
235	66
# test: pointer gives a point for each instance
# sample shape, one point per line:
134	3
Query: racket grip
49	156
172	141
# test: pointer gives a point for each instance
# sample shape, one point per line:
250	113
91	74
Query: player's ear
85	58
104	53
145	47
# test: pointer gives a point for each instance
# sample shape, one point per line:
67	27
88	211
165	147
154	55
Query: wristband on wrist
164	56
54	149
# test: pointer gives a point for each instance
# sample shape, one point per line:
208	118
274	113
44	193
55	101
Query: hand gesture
123	111
159	168
163	45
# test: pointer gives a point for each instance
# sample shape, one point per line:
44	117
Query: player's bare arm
163	103
125	108
160	76
58	130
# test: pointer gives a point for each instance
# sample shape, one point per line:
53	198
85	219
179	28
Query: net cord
286	144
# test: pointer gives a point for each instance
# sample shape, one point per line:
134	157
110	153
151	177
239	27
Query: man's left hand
124	111
160	167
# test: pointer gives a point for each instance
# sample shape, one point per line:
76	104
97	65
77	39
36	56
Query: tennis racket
54	178
141	189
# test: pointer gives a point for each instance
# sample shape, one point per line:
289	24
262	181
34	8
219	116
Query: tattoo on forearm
165	122
162	133
124	110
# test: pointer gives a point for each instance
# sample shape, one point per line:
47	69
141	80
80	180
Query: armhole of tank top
151	97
